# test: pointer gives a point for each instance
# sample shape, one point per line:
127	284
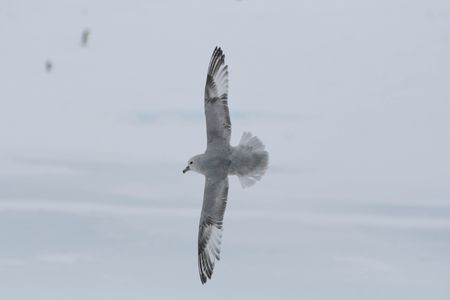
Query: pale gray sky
351	99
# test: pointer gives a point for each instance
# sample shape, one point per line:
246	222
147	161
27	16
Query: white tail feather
249	160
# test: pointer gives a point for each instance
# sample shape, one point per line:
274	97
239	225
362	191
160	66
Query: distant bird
85	37
248	160
48	66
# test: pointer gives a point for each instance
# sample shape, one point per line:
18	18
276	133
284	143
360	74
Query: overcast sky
351	99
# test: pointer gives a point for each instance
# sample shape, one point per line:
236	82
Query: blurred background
101	106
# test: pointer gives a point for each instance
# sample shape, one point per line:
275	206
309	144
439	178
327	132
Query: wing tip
205	268
217	60
218	51
209	253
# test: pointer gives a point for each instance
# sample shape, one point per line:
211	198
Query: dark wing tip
217	59
208	249
205	267
218	51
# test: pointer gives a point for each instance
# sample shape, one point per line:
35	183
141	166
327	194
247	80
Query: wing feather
218	123
210	228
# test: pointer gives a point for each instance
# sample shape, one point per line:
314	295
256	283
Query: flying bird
85	37
248	160
48	66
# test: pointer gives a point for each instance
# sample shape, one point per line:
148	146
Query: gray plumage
248	160
85	37
48	66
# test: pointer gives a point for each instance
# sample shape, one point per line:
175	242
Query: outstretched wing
218	124
210	228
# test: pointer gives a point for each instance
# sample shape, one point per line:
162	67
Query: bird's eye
191	163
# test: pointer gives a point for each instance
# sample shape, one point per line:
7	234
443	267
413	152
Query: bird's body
212	163
248	160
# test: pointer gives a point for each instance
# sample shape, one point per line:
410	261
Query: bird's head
193	164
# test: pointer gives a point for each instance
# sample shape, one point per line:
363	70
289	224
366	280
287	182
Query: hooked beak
186	169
